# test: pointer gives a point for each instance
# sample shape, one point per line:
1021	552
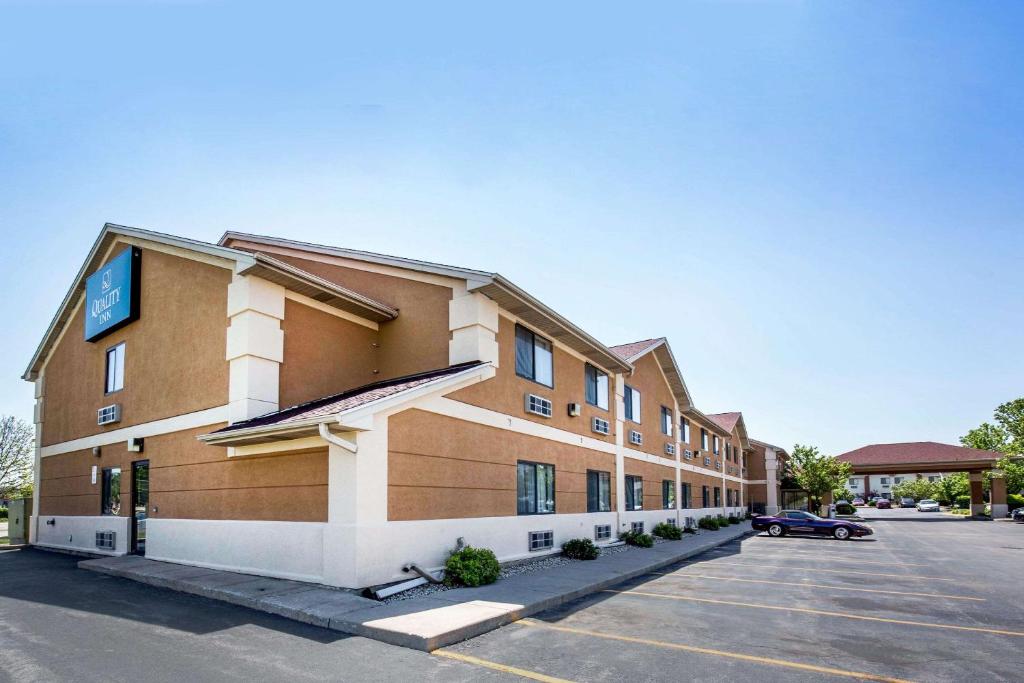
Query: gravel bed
514	569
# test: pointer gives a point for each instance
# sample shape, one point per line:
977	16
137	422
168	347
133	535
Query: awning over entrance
919	456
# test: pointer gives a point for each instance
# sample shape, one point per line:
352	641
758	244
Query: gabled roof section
916	453
633	351
306	417
493	285
242	262
764	444
731	422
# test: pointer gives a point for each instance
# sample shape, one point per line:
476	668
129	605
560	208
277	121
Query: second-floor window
684	430
632	401
115	369
714	443
596	386
703	439
534	358
666	421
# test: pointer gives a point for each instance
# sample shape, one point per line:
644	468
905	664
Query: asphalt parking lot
929	597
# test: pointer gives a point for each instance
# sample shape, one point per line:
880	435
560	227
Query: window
596	385
718	497
535	488
602	532
636	438
668	494
685	497
666	421
636	527
933	478
533	357
115	369
898	480
541	540
599	491
684	430
705	501
714	443
634	492
632	401
703	439
853	482
728	451
111	491
885	481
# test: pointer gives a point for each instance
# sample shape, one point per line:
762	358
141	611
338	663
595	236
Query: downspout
326	435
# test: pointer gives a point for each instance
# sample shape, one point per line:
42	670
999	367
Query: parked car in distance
800	522
859	502
907	502
1017	515
928	505
883	504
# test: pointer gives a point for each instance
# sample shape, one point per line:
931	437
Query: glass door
140	505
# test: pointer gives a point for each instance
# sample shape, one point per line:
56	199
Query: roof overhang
925	467
667	362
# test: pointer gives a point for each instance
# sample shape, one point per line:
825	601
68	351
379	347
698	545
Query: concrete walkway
425	623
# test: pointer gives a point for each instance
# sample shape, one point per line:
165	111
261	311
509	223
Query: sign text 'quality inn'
112	294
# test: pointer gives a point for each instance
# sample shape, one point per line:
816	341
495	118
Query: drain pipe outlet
326	435
416	569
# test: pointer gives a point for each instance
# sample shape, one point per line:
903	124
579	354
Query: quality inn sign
112	294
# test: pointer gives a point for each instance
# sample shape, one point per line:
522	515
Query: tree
950	487
1013	469
817	474
16	459
915	488
987	437
1010	416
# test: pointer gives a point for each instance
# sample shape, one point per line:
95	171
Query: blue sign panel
112	294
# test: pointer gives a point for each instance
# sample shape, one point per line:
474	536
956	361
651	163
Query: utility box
18	513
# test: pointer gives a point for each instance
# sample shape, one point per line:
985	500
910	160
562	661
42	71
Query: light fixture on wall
97	451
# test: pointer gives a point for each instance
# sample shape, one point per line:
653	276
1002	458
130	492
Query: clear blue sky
821	204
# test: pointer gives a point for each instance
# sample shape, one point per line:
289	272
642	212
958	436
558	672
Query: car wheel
841	533
776	530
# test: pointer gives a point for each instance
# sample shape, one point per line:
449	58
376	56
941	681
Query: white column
676	416
771	467
255	346
473	323
620	456
33	520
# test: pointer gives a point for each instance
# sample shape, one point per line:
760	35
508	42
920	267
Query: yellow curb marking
818	585
718	653
803	610
839	571
469	659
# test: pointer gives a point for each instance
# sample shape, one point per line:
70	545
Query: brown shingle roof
726	421
628	352
915	452
346	400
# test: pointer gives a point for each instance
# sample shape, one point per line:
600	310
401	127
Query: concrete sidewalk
425	623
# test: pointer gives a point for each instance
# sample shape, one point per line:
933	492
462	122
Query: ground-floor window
685	497
668	494
535	488
718	497
599	491
705	501
111	491
634	492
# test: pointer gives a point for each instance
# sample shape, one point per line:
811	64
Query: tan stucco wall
506	391
648	378
323	354
440	467
415	341
190	480
174	354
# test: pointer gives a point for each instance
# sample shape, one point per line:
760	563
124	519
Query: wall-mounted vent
636	438
718	464
541	540
538	405
671	521
105	540
688	454
599	426
636	527
602	532
707	461
109	414
575	409
670	449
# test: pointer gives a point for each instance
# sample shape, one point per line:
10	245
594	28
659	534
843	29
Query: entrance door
140	505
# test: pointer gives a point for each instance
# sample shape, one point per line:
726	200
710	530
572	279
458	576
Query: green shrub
1014	501
580	549
722	521
640	540
3	513
668	531
709	523
733	519
963	502
872	503
471	567
957	511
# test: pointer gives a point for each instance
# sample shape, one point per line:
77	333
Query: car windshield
927	502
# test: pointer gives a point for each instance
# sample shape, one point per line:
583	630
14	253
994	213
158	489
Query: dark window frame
703	439
598	479
630	492
666	421
589	369
627	401
705	496
536	489
668	494
533	356
106	475
685	495
718	497
107	391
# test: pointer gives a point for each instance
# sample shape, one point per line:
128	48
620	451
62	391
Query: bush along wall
471	567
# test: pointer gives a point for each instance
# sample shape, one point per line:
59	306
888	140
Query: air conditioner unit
599	426
575	410
109	414
538	405
670	449
688	454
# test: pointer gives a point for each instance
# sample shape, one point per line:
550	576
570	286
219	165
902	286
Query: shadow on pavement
54	579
